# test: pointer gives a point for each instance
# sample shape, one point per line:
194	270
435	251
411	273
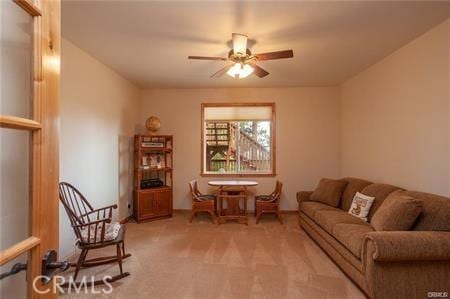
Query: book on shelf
153	144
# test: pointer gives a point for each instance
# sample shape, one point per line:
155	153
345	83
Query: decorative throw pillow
397	212
329	192
361	205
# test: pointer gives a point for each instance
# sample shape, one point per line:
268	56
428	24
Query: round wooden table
232	192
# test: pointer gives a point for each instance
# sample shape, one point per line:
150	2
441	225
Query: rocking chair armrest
106	213
104	220
100	209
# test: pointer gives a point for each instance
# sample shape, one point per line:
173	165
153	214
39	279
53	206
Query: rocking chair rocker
94	230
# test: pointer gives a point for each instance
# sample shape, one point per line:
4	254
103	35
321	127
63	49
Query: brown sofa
384	264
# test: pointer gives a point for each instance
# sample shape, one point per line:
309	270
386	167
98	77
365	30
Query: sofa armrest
408	245
303	196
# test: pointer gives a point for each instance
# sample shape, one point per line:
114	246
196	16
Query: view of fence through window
238	146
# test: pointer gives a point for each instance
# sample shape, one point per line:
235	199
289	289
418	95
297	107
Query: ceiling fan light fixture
241	62
240	71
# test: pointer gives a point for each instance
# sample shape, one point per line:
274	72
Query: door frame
44	152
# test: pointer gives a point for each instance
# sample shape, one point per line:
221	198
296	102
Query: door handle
51	267
16	268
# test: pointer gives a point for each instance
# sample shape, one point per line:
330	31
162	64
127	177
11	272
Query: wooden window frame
273	172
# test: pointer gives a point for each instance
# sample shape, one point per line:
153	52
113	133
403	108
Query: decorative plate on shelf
153	124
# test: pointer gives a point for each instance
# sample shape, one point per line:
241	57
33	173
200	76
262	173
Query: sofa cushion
338	252
329	192
352	235
380	192
397	212
353	185
435	212
327	219
311	207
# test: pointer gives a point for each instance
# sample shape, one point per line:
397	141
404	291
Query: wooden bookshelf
153	162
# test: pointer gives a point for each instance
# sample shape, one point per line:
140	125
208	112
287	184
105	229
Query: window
238	139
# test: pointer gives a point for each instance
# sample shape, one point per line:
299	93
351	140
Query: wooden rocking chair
94	230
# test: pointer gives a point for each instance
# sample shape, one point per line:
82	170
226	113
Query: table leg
233	210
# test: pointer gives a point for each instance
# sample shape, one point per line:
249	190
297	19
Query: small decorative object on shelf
153	124
153	177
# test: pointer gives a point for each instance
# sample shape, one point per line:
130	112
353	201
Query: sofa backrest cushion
329	192
380	192
397	212
435	212
353	185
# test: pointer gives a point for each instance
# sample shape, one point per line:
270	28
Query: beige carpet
175	259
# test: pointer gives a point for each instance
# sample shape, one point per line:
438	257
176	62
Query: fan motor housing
240	58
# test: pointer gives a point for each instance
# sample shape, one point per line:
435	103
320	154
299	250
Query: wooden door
163	199
32	27
147	205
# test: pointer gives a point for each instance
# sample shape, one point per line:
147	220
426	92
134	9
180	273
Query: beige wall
307	134
98	116
395	117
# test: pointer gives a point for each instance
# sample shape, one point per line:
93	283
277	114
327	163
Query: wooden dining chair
265	204
202	202
94	229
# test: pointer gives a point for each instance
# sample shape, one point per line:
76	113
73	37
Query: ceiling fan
242	62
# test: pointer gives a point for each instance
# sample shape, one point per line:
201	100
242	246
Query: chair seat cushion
111	232
352	236
264	197
310	208
205	197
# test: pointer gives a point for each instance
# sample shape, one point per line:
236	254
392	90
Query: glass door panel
14	186
16	41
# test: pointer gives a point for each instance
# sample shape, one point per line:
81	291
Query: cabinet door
147	205
164	199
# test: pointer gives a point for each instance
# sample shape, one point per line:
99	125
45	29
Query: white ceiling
148	42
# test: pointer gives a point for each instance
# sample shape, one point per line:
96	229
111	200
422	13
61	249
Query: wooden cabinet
163	202
151	203
146	207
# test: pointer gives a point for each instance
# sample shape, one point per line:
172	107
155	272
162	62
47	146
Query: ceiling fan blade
239	43
222	71
207	58
275	55
258	71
